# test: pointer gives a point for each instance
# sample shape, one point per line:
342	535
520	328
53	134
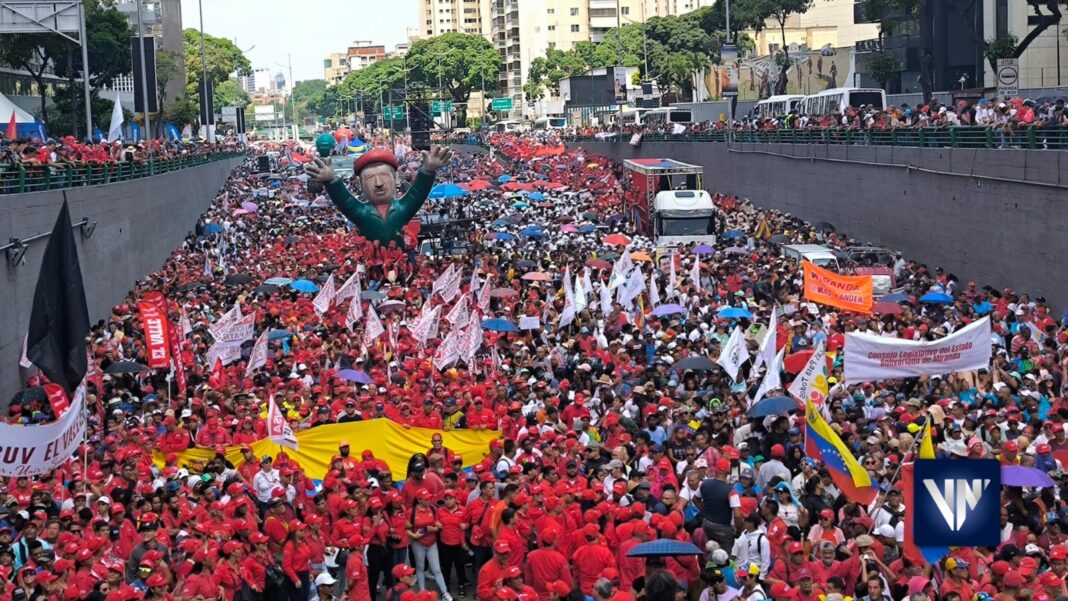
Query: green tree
33	53
547	71
374	80
457	62
230	93
169	63
883	67
223	57
780	11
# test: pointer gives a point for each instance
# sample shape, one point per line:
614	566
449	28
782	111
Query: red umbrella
476	185
552	185
599	264
503	293
797	361
885	308
616	240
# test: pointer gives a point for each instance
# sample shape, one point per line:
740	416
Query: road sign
501	104
393	112
435	106
1008	77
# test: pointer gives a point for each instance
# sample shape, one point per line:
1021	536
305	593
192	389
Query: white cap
325	578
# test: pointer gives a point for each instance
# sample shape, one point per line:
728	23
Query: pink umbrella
240	212
251	207
568	229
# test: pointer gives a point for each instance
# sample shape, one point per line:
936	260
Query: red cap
402	569
375	156
502	546
827	513
1049	579
1012	579
777	450
591	530
512	572
1058	552
795	547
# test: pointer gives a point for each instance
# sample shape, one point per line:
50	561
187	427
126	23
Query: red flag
157	334
217	379
58	398
12	130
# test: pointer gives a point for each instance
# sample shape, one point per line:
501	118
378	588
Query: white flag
772	379
471	341
606	300
635	285
567	315
620	270
587	285
443	279
355	312
350	288
811	383
117	119
207	266
186	327
278	429
459	315
326	296
767	346
258	358
452	287
484	294
238	331
372	327
24	361
448	351
734	354
580	294
227	352
420	330
569	292
654	293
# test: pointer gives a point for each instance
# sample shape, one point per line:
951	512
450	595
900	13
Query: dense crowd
59	153
604	444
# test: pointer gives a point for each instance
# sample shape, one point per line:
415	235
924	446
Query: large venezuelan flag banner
390	442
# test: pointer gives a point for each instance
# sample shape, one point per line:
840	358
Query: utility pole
144	80
730	104
209	131
85	71
292	102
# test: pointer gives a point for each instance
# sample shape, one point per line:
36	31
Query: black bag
275	576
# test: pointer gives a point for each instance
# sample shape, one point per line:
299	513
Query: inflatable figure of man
380	216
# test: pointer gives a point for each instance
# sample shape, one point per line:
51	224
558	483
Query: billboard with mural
810	71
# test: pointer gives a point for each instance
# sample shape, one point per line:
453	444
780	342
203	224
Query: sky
308	29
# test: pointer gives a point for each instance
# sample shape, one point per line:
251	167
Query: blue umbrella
304	286
734	313
668	310
447	191
732	234
519	205
937	298
532	232
663	547
536	196
276	334
1019	475
213	228
499	325
504	179
354	375
502	236
501	223
279	281
702	249
896	298
586	229
776	405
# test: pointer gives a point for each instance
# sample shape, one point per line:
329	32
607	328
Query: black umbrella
695	363
514	219
29	395
266	289
125	367
291	239
823	226
779	239
188	287
238	279
525	264
330	267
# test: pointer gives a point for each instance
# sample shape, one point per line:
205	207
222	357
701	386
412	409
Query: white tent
21	116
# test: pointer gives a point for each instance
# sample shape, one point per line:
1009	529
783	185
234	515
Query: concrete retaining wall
945	207
139	223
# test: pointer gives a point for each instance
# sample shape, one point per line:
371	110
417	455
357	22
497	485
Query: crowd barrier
1029	138
15	179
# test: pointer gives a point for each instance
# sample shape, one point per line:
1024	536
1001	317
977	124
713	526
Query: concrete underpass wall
139	223
941	210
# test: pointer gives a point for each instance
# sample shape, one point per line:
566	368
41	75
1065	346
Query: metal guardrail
1029	138
16	179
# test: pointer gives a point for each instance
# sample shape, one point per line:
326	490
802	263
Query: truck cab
682	217
816	254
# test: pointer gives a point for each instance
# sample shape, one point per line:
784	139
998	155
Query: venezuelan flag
915	553
822	443
926	446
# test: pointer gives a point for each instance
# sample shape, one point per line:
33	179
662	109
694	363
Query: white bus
663	116
836	100
508	127
777	106
632	116
550	123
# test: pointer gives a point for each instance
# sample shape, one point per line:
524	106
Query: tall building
279	81
162	19
335	68
248	82
364	52
444	16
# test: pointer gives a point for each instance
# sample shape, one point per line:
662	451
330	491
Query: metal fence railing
18	178
1030	138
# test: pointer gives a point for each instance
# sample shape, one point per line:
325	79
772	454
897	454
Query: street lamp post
209	132
144	78
292	101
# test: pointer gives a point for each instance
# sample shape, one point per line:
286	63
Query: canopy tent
26	124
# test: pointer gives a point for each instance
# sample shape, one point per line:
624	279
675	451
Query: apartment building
445	16
335	68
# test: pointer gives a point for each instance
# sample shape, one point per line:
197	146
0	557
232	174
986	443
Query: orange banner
848	292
